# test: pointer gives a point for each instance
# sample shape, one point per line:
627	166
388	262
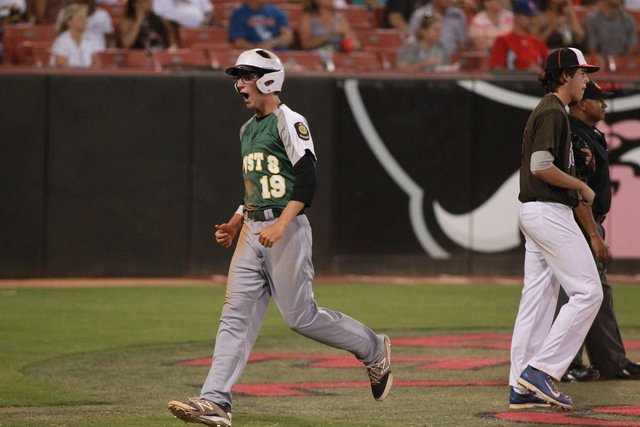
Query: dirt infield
222	280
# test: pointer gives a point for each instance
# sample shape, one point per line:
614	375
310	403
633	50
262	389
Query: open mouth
245	95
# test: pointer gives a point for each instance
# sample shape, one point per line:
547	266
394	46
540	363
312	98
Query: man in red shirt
519	49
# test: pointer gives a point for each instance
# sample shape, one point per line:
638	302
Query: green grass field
105	357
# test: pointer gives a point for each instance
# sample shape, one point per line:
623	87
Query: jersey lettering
253	161
274	164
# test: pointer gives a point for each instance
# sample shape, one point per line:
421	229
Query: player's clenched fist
270	234
225	234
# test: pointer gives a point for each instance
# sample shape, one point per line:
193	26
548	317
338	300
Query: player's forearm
290	211
556	177
585	216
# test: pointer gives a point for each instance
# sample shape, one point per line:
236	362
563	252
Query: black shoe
631	372
379	373
581	374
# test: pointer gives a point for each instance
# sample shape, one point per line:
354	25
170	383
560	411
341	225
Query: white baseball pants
284	272
557	254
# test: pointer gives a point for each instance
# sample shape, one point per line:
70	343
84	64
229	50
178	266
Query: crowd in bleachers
317	35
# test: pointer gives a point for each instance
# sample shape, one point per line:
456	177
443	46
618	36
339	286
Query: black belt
600	218
265	215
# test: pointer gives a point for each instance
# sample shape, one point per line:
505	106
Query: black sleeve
306	184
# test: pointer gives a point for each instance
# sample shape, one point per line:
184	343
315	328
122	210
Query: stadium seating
357	61
301	61
222	59
623	64
33	53
116	10
359	17
222	12
216	37
16	34
380	40
124	58
472	61
293	12
181	59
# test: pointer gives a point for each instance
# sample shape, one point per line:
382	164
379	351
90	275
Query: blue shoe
526	401
544	387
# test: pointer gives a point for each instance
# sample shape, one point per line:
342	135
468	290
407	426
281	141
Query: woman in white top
98	22
75	47
493	21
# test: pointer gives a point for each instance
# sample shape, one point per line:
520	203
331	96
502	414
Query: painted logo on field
491	226
348	361
584	417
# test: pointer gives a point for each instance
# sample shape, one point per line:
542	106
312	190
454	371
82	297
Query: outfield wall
126	174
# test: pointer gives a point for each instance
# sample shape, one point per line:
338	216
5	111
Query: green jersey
271	147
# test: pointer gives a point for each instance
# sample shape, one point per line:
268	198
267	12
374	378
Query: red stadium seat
33	53
181	59
223	59
116	10
16	34
301	60
223	11
359	17
380	40
623	64
358	61
202	35
472	61
293	12
124	58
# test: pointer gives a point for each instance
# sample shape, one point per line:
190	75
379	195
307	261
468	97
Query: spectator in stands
47	11
11	12
454	24
633	5
75	47
519	49
186	13
257	24
559	24
99	23
322	27
611	31
143	29
397	14
493	21
372	4
424	51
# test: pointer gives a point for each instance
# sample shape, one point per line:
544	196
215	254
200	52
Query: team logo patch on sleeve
302	131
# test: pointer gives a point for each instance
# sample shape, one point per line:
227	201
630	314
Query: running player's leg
535	313
291	273
244	309
568	255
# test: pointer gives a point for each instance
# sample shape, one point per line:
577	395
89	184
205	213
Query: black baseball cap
567	57
593	91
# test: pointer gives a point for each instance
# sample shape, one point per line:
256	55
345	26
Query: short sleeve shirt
547	130
482	27
516	52
257	25
411	52
454	26
79	56
271	147
610	36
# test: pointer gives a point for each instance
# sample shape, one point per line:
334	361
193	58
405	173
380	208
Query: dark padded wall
119	175
22	179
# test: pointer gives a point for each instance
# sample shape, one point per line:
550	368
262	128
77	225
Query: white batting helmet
261	61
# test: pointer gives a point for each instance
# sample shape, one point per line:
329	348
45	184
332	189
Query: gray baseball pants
284	272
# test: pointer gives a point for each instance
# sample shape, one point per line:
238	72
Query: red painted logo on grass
577	418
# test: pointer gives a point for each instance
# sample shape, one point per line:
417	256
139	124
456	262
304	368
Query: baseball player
273	255
603	342
556	252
